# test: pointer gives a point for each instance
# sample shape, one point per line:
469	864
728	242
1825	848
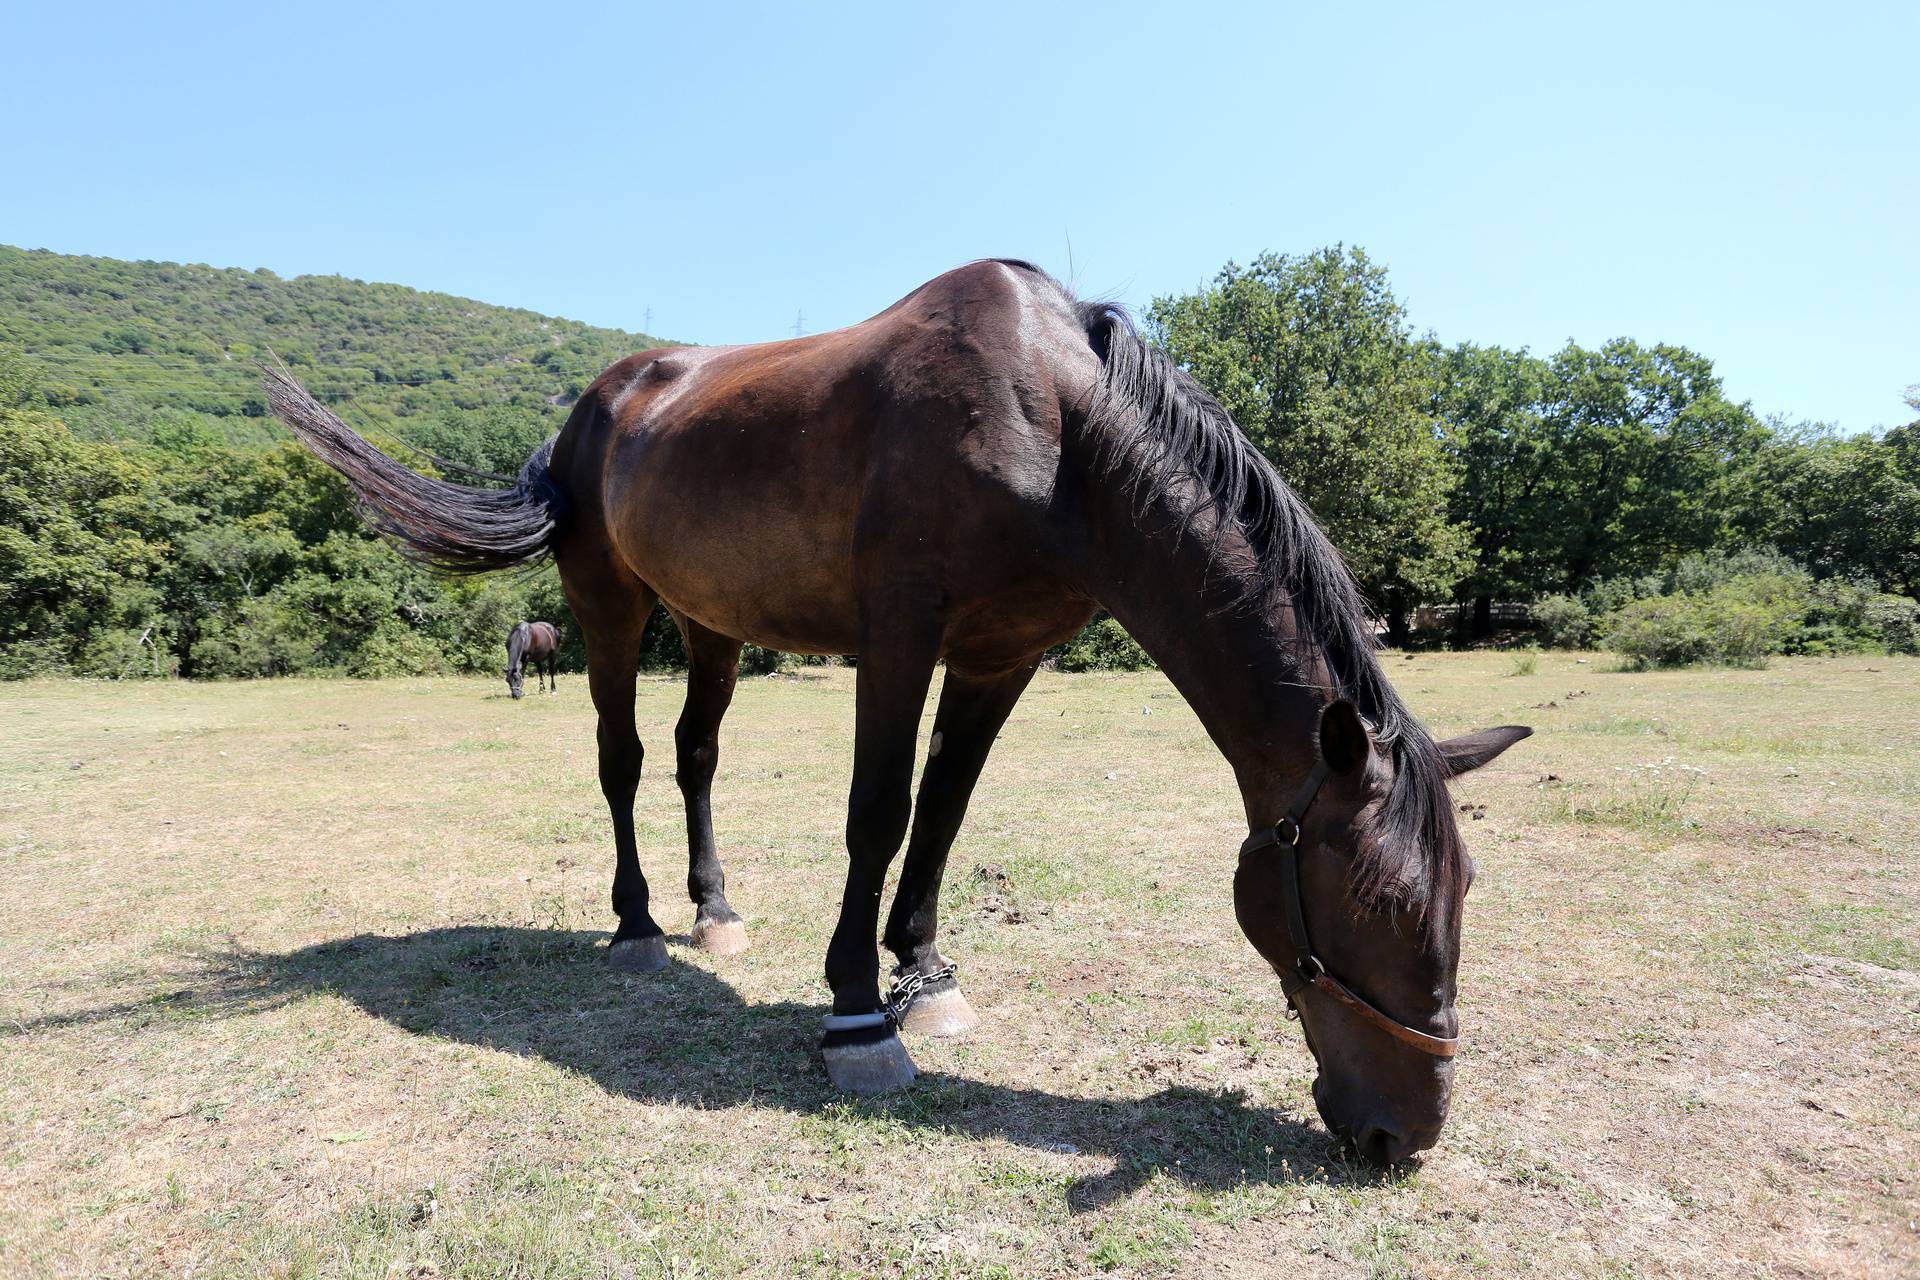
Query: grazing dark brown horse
966	477
538	643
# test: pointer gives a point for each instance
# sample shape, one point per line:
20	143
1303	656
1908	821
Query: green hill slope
135	350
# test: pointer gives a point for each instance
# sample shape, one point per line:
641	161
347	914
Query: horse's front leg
900	644
972	711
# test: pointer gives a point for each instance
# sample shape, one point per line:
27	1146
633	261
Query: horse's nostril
1381	1145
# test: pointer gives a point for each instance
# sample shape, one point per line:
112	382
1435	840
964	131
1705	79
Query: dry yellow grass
303	978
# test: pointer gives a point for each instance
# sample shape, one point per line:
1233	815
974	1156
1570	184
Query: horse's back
751	487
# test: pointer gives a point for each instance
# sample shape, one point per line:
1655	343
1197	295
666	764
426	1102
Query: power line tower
799	324
649	321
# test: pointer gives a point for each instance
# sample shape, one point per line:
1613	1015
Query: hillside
128	349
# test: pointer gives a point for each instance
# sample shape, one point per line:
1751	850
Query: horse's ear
1467	753
1344	743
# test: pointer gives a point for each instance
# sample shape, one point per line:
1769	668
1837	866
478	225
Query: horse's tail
454	527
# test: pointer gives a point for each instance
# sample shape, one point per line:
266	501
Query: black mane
1165	438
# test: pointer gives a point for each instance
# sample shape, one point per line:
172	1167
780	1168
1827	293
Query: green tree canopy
1594	464
1644	451
1840	505
1493	403
1313	358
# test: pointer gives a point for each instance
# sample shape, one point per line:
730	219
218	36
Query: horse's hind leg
613	617
972	711
713	668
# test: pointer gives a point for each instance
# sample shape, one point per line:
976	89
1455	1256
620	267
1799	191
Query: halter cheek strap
1308	969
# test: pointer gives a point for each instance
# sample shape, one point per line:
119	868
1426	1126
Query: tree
497	438
77	545
1841	506
1492	402
1313	358
1591	465
1646	455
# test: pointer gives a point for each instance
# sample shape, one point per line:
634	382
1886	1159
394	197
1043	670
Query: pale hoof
720	937
639	955
878	1066
940	1013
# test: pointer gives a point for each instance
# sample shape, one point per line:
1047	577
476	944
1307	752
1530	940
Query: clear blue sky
1740	179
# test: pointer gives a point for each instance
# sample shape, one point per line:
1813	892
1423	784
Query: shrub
1609	595
1665	631
1895	622
1737	623
1566	621
755	661
1705	570
124	653
1836	620
392	651
31	656
1103	646
268	638
660	647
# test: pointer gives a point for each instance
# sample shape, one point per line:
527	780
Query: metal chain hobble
907	986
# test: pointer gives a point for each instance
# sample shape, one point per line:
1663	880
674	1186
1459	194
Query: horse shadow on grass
685	1036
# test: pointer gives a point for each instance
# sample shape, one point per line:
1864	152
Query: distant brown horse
537	643
966	477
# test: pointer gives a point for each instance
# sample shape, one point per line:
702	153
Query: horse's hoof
940	1013
638	955
720	937
879	1065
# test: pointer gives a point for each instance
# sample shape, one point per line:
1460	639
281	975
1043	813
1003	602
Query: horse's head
1354	897
516	680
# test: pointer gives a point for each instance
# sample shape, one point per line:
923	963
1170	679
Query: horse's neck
1241	667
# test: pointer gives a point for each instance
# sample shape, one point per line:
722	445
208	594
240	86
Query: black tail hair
453	527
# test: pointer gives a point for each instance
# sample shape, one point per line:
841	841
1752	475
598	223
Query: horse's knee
694	764
877	820
620	766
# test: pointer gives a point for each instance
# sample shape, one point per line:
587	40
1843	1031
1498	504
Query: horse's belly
747	554
761	609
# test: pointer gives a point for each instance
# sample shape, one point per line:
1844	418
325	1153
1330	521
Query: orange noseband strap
1336	990
1308	969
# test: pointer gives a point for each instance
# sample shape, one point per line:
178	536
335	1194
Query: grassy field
305	978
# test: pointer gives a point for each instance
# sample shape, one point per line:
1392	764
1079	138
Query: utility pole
649	321
799	323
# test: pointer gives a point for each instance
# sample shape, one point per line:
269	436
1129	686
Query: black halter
1308	969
